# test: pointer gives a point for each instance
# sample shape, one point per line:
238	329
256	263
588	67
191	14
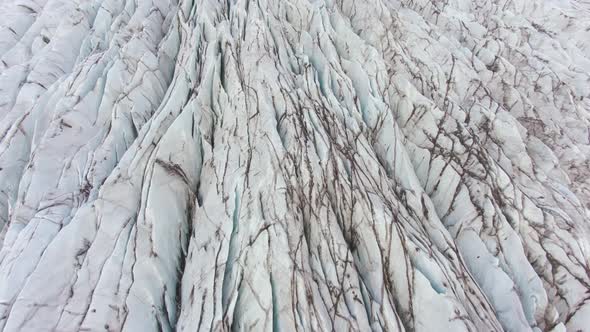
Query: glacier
294	165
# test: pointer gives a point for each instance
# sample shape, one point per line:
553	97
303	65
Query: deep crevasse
294	165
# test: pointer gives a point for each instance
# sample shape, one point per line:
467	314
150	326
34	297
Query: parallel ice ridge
294	165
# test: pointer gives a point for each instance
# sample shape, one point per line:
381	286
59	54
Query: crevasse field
294	165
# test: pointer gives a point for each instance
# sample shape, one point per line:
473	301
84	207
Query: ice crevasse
294	165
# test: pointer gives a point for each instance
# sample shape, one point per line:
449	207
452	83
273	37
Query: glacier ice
384	165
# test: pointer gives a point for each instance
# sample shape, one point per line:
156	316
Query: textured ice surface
316	165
